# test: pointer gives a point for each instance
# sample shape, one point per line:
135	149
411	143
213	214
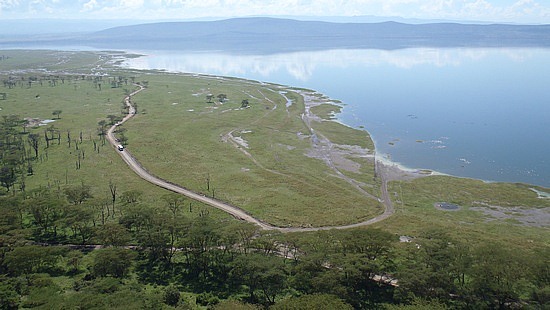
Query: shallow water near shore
479	113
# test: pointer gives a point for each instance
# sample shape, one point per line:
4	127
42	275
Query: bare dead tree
112	189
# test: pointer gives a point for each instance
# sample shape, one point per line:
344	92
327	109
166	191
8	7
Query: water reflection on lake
482	113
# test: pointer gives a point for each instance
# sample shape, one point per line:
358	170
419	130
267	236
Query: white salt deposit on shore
542	195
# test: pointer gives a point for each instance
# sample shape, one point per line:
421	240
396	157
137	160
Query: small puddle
446	206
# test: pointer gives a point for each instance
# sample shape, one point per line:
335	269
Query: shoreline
396	170
400	170
381	157
392	170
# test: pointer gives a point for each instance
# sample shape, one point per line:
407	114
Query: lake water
471	112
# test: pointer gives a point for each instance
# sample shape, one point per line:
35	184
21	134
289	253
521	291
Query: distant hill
268	35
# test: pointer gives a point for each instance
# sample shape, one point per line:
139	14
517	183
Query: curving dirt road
233	210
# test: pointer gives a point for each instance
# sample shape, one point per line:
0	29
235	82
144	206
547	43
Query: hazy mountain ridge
293	28
293	34
262	34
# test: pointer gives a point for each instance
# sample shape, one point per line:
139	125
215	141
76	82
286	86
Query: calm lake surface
479	113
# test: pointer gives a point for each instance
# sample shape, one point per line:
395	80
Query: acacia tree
80	219
8	177
131	196
122	139
102	130
171	296
11	214
209	98
54	133
34	141
222	98
499	276
264	276
201	237
541	277
78	194
156	232
46	210
113	234
357	257
174	202
113	119
241	234
101	207
32	258
439	268
57	113
176	224
113	262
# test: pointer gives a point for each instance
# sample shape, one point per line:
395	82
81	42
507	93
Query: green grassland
415	204
83	105
179	136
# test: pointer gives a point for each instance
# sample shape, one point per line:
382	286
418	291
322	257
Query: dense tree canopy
190	253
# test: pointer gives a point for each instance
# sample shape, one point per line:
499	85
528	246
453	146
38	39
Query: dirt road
233	210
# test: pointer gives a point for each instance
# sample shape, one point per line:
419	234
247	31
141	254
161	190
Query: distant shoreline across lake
262	35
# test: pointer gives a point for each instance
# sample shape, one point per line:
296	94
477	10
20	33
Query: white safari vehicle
120	147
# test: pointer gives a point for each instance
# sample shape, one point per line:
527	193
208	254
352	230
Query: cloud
7	4
536	11
89	6
526	8
487	10
133	4
112	9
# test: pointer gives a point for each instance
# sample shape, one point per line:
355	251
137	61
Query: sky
515	11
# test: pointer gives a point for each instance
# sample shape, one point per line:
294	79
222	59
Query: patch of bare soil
35	122
535	217
336	156
340	156
394	172
343	163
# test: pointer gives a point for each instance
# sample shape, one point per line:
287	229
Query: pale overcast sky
520	11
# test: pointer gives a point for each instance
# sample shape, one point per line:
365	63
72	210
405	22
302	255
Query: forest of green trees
160	257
